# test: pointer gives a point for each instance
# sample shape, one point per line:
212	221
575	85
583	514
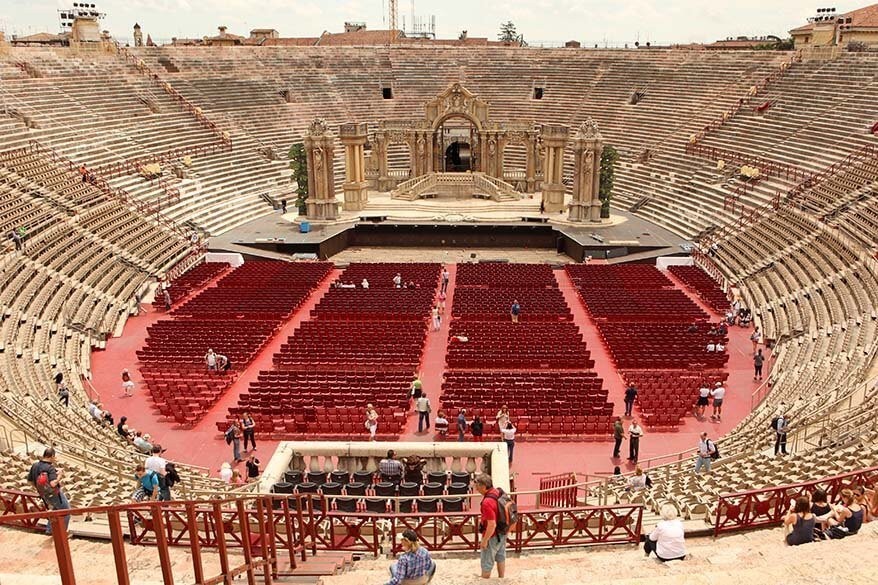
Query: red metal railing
767	507
264	527
552	497
13	502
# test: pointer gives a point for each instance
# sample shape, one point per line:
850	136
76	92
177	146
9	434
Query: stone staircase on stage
456	186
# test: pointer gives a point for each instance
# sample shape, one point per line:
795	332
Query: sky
540	21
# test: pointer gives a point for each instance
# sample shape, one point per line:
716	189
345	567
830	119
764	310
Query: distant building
829	28
224	39
41	40
264	33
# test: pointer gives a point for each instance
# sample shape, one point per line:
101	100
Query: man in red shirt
493	544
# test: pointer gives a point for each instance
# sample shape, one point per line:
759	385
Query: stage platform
468	224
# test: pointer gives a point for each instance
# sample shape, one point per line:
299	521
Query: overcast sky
588	21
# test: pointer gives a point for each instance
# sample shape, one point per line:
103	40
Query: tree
608	177
509	34
299	165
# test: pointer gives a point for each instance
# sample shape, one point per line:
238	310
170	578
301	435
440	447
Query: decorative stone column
356	193
319	148
554	138
588	145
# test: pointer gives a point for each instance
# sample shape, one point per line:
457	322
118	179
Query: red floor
204	446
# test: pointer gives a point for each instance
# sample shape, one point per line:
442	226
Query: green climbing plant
299	166
608	177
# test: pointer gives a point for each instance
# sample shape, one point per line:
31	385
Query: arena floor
203	445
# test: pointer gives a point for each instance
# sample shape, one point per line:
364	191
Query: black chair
346	504
414	477
452	505
331	488
409	489
460	477
395	479
385	489
282	487
458	489
437	477
307	488
376	505
434	489
318	477
294	477
365	477
405	506
356	488
339	476
427	506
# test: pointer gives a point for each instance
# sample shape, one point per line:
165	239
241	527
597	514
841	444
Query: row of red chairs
704	286
493	303
189	281
497	275
380	275
627	276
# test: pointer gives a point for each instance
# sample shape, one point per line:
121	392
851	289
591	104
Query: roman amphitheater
744	181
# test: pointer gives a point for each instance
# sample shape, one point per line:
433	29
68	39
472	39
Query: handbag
836	532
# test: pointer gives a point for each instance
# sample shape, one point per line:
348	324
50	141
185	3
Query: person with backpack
46	478
499	515
780	424
167	481
148	484
704	456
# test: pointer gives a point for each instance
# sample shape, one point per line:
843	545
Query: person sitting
723	329
801	521
414	566
711	347
441	423
414	469
667	539
849	514
822	511
719	347
638	481
365	283
142	443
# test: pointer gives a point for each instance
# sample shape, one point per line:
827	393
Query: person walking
371	421
445	277
63	394
437	319
422	405
414	564
283	206
509	439
147	484
515	311
492	545
635	432
758	360
781	427
705	454
630	397
462	425
46	478
618	436
417	386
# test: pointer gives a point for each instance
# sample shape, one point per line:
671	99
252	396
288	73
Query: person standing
492	545
147	484
233	437
461	425
515	311
635	431
63	394
781	427
371	421
46	478
718	394
127	384
16	238
252	465
755	338
705	454
618	436
417	386
509	439
630	397
758	360
210	360
703	400
155	462
422	405
502	418
249	426
477	428
437	319
283	206
445	277
397	281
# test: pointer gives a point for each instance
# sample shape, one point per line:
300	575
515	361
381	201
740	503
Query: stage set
457	179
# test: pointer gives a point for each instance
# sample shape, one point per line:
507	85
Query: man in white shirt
445	277
397	280
635	431
711	347
704	456
422	405
718	394
210	360
142	443
156	462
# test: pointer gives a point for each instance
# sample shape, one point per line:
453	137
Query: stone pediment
457	101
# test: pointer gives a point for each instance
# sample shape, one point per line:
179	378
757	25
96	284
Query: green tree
608	177
299	165
508	32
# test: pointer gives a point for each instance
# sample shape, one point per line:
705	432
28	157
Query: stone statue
317	127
